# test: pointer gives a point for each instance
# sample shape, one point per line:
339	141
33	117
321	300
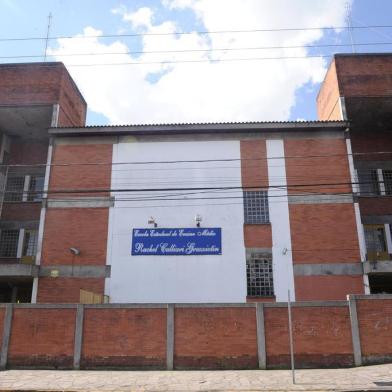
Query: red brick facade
203	333
258	236
320	162
42	337
144	347
316	163
67	290
375	328
333	233
254	171
81	228
327	287
76	167
81	166
43	84
213	337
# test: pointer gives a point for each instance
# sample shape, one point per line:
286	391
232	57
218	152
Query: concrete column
43	212
14	294
261	351
19	252
78	336
388	237
6	336
26	188
355	330
380	177
170	337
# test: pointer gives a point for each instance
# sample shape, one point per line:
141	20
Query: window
376	247
30	243
256	207
9	243
387	174
14	188
259	275
35	188
24	188
368	182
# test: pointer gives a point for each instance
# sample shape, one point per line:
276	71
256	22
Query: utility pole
291	338
350	26
47	34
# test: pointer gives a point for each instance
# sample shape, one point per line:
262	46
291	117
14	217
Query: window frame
374	254
368	182
25	193
256	208
14	195
387	180
262	273
3	252
35	195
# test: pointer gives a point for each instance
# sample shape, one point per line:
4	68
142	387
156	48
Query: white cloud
205	91
141	18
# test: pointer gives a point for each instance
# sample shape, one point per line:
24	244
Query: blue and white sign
177	242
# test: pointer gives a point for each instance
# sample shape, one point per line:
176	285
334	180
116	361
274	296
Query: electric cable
199	50
201	32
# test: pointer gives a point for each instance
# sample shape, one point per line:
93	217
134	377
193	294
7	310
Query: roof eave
177	129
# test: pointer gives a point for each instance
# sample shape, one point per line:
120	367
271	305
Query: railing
29	260
3	182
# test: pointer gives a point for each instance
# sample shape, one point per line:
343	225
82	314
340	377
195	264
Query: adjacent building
358	88
216	212
33	97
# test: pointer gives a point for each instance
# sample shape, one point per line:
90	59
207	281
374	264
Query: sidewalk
363	378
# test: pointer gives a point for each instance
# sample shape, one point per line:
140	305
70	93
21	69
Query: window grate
14	189
256	207
36	187
368	182
387	174
259	276
30	243
9	243
375	239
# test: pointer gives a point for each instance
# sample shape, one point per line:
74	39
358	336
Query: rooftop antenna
47	35
350	26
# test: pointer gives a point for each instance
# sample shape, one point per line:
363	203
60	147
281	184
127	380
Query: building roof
199	128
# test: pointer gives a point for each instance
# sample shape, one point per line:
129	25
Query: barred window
375	238
9	243
259	276
376	243
256	207
30	243
387	174
14	188
368	182
35	188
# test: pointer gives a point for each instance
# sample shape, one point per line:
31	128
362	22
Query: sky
171	61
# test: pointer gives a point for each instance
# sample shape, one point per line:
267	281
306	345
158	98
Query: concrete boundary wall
196	336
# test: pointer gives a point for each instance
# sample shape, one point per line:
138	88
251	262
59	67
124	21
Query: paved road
371	377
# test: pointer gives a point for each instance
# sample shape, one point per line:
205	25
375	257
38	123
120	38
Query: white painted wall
280	222
176	278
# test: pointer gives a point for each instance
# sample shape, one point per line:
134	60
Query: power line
228	188
199	50
168	62
273	199
179	33
198	160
